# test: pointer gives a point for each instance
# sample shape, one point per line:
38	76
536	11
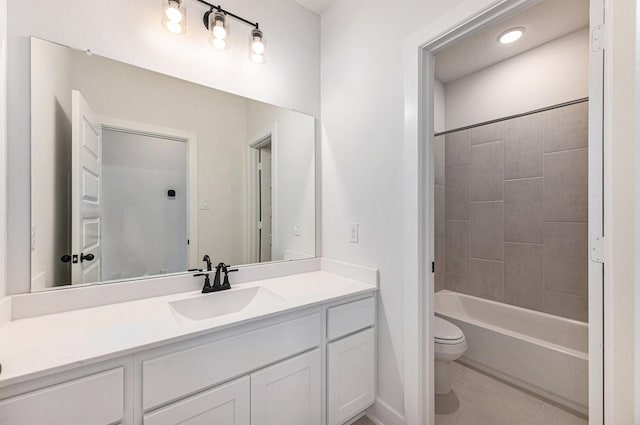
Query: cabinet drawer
176	375
96	399
350	376
227	404
348	318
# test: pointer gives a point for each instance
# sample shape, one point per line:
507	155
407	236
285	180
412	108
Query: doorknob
88	257
65	258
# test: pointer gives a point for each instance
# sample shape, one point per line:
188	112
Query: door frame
467	17
255	142
191	140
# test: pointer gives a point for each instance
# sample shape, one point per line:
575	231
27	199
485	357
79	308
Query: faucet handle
225	283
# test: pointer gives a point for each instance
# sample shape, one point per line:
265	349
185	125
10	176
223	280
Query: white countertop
37	346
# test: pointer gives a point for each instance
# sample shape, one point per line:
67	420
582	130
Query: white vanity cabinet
350	359
313	366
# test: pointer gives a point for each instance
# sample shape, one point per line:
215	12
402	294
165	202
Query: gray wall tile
523	275
566	258
439	159
439	210
566	305
486	279
457	247
566	193
487	230
523	147
566	128
457	193
457	149
456	282
487	133
440	270
523	210
487	171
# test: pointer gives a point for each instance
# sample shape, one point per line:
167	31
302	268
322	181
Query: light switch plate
206	204
355	232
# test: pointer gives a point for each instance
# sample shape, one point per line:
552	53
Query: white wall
3	148
362	156
130	31
293	176
51	163
621	116
144	231
512	86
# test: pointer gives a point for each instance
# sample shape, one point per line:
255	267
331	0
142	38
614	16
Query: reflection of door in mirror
86	193
265	220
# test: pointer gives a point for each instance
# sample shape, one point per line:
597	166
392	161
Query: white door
350	375
86	175
288	393
227	404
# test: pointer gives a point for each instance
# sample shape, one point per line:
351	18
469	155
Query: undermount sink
216	304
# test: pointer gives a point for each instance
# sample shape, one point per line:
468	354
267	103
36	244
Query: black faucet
207	259
217	286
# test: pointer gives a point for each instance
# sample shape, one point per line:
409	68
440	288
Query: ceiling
544	22
317	6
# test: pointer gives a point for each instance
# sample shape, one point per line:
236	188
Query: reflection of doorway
264	173
145	205
262	189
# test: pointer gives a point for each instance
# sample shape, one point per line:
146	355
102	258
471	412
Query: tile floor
363	421
478	399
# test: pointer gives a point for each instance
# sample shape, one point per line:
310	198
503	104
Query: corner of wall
3	148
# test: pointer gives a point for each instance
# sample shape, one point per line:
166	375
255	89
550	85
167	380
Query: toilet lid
444	331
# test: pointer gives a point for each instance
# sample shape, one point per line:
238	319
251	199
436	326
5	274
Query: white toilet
450	344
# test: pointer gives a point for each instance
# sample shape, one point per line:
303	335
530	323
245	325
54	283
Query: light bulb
257	58
219	32
174	27
173	13
219	43
257	46
174	17
511	35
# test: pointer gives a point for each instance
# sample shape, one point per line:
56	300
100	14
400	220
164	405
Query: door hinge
597	38
597	249
259	225
433	267
260	166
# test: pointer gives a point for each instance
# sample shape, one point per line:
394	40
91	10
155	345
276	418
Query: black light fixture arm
226	12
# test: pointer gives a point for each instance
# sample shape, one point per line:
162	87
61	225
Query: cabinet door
96	399
227	404
288	393
351	376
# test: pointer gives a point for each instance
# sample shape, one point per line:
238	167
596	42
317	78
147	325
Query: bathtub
544	354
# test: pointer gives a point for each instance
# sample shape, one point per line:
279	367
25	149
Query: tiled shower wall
511	211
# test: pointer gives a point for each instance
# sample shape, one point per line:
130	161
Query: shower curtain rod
548	108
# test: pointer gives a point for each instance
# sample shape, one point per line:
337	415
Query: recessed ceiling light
511	35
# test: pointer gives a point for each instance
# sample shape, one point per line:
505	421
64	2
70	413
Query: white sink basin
216	304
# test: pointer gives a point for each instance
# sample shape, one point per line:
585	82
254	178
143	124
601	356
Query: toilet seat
446	333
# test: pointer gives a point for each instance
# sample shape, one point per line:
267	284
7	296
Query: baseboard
383	414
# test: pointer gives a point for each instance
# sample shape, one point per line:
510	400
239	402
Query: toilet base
442	381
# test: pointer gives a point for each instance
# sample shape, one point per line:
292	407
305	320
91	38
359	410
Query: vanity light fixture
216	21
174	17
511	35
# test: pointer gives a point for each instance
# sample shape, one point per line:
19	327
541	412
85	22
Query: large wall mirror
137	174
